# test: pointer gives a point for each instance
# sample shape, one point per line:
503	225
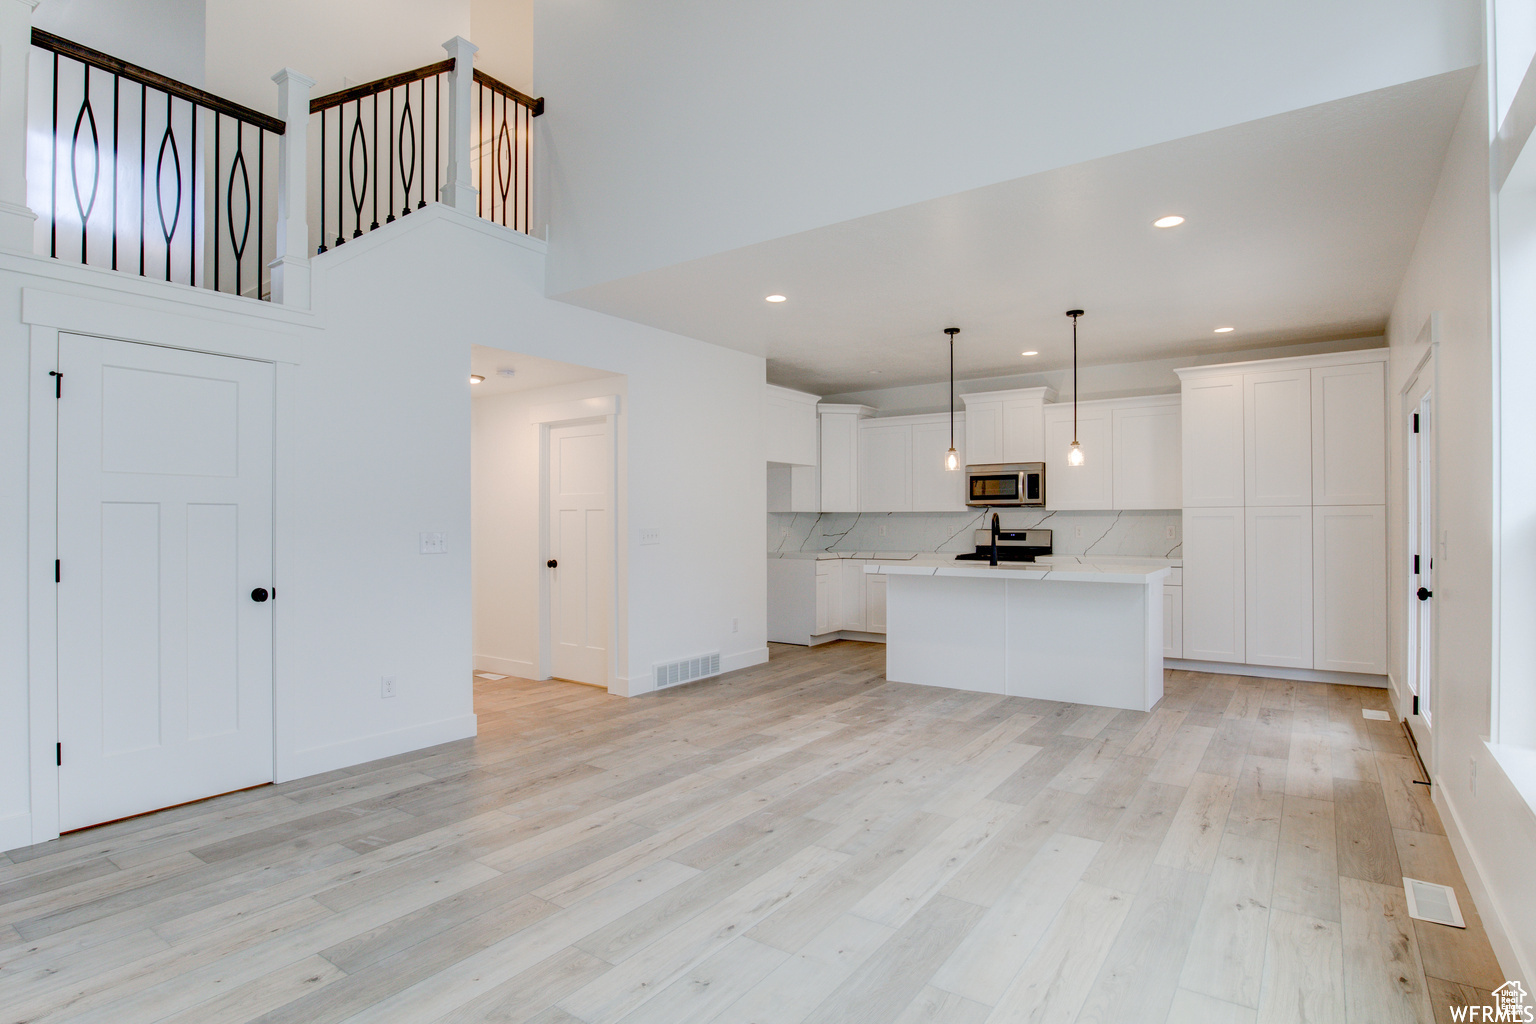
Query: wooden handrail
358	92
201	97
534	105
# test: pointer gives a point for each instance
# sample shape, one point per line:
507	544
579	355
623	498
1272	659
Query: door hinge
1415	565
58	383
1415	703
58	754
1415	423
58	571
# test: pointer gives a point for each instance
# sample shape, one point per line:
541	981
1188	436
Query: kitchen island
1088	634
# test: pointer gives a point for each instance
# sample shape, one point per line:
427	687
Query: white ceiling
532	372
1299	228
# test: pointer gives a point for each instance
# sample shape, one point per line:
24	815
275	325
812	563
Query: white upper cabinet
840	456
790	426
1147	453
1006	426
885	467
1212	463
934	488
1278	549
1349	435
1089	486
1277	435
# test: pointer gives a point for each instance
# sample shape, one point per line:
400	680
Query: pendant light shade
1075	450
951	457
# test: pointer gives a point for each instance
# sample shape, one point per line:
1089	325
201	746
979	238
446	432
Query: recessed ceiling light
1171	221
475	378
775	298
874	373
1225	330
1031	352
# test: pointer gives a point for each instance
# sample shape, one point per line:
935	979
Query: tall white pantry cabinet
1284	466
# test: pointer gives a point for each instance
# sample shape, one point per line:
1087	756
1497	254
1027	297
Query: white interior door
580	551
165	531
1419	408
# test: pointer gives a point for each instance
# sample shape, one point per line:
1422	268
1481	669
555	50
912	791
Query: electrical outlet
882	530
1170	533
1472	776
433	544
735	625
1077	532
650	536
387	686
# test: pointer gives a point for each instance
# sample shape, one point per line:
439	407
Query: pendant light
1075	452
951	457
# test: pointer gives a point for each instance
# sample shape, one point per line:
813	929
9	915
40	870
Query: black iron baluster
217	168
437	144
169	138
116	82
504	147
341	124
261	205
192	207
143	164
322	182
407	174
480	156
237	246
358	201
389	205
53	230
86	116
423	187
374	184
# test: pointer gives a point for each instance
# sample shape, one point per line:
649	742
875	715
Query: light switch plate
433	544
650	536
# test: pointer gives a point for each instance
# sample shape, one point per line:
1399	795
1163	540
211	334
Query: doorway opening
547	513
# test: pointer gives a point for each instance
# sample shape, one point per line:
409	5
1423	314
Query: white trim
823	408
743	659
362	749
126	317
1046	395
1519	120
509	666
431	213
791	395
1304	675
577	409
1495	926
1354	356
42	592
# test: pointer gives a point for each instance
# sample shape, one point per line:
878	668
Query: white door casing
580	543
164	532
1419	448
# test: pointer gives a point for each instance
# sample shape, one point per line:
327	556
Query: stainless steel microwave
1006	485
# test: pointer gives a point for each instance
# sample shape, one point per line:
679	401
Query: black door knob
259	595
553	564
1425	595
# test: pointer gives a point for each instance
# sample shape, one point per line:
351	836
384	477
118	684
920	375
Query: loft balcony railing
134	171
144	174
383	154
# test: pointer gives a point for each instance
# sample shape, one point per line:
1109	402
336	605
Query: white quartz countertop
1099	571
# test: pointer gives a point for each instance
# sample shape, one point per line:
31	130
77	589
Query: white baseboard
1304	675
506	666
15	832
1504	950
743	659
303	763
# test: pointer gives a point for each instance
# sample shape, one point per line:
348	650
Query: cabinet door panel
1147	469
1277	456
1173	621
853	594
885	468
824	610
1078	487
874	603
1212	441
839	463
1023	431
1349	460
1214	617
1349	552
1278	550
984	432
934	488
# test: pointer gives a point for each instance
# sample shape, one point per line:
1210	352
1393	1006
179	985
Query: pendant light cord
1074	380
952	391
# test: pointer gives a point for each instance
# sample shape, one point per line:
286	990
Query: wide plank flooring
798	842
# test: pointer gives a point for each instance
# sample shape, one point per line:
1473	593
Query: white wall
1450	276
161	35
505	497
676	130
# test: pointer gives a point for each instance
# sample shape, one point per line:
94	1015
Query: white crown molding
1364	355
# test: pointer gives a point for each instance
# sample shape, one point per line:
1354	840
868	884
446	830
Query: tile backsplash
1144	534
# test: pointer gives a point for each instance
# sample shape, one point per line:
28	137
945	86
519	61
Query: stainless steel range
1012	546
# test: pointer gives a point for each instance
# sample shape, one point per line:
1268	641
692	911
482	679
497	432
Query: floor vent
1374	715
1430	902
687	670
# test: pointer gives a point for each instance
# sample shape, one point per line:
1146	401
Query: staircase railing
152	176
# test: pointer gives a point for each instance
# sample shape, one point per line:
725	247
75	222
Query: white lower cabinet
1349	567
1215	622
874	603
852	571
1173	621
827	610
1278	561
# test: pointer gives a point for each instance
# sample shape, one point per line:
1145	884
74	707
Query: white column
16	219
290	270
460	192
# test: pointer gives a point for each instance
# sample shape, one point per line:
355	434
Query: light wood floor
799	842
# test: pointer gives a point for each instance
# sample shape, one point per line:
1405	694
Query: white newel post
16	219
460	192
290	270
